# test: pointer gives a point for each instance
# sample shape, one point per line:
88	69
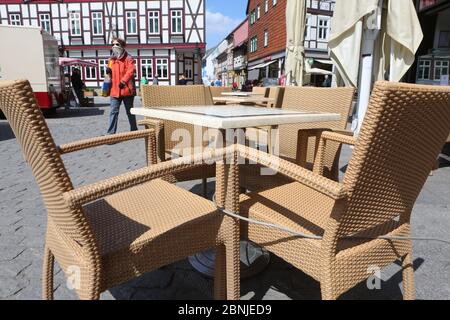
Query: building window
131	18
177	21
147	68
97	23
102	64
266	38
258	12
323	29
444	39
424	69
162	68
274	2
15	19
308	27
253	17
188	68
75	24
45	22
90	73
266	6
254	44
153	22
440	69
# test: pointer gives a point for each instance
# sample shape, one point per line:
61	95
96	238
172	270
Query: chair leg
327	291
47	274
220	275
408	278
233	261
205	187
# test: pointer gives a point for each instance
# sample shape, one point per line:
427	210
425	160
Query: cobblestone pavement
23	221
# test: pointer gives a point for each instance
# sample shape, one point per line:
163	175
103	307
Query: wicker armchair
216	92
261	90
160	96
297	143
114	230
356	223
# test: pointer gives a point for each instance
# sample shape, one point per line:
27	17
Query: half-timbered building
166	37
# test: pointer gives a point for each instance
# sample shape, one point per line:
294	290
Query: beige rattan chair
297	143
357	222
114	230
216	92
160	96
261	90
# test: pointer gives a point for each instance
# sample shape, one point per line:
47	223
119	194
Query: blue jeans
114	113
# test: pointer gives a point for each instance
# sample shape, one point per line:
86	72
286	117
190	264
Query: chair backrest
161	96
18	103
217	91
276	93
261	90
334	100
402	134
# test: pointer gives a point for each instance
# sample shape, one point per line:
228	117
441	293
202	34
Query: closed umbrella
295	33
373	40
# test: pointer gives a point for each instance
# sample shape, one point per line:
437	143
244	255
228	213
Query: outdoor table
244	99
242	94
233	117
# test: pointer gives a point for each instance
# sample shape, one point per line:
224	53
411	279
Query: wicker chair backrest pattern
334	100
402	134
18	103
161	96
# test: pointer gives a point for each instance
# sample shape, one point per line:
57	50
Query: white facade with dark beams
318	26
166	37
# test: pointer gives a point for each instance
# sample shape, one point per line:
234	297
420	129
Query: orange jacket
122	70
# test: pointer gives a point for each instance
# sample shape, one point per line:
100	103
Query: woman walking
121	68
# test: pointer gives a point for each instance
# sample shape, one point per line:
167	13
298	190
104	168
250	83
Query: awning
63	62
324	61
262	65
310	70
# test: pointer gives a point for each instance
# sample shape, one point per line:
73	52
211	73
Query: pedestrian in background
78	86
218	82
156	80
121	68
182	81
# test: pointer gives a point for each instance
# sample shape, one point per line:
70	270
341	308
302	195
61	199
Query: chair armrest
109	139
151	123
344	137
158	126
317	182
101	189
329	136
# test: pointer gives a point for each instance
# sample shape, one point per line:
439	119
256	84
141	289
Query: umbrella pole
372	27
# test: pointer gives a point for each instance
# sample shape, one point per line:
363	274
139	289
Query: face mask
117	51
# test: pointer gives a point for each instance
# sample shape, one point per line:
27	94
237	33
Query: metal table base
254	259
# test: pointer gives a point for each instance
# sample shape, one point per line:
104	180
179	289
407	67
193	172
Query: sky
222	16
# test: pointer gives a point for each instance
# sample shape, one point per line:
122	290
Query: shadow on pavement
76	112
6	132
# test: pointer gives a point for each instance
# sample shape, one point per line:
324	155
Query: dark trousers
114	113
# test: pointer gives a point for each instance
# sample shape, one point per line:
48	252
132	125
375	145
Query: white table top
245	99
233	116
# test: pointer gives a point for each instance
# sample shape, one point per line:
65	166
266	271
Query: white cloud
220	24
